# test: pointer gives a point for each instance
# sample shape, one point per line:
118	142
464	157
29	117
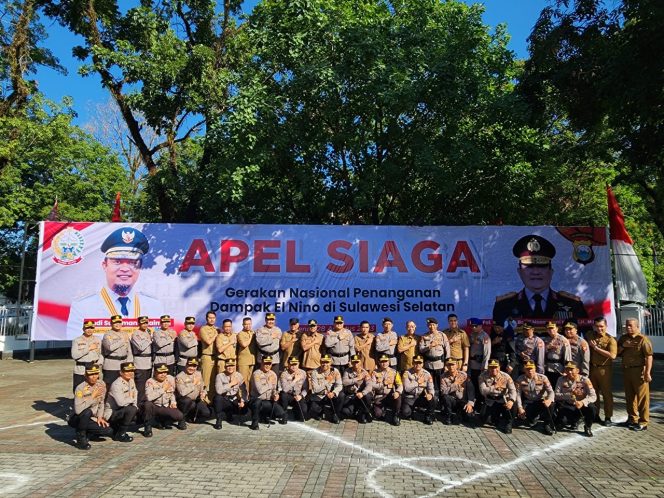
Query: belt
340	355
116	357
81	363
267	353
459	359
634	366
143	355
207	354
434	358
163	354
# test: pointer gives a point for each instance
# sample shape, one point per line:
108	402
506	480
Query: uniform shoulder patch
569	295
79	394
509	295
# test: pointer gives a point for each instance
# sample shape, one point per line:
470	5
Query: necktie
538	311
123	305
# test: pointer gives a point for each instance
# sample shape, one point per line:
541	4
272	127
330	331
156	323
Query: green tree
167	62
600	63
375	112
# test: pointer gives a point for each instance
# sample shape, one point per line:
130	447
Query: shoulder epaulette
509	295
569	295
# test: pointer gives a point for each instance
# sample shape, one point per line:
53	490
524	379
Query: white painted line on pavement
44	422
448	483
20	480
388	459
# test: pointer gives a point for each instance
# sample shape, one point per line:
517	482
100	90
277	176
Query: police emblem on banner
68	247
583	251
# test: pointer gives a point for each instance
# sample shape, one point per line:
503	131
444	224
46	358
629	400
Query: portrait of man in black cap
123	250
536	299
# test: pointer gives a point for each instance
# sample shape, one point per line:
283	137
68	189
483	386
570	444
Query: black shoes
639	427
147	431
218	424
447	420
396	421
182	425
428	420
254	425
283	420
123	437
508	429
82	441
548	430
587	431
335	419
607	422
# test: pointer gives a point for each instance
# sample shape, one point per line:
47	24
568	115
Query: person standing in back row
340	344
636	351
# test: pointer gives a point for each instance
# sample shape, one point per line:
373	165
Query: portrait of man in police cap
536	299
124	250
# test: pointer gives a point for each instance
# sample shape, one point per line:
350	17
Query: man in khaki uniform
578	346
326	389
385	343
357	385
232	394
160	407
458	340
636	351
407	347
535	398
187	344
418	390
386	391
499	396
163	340
364	346
312	343
90	413
86	348
457	394
435	348
340	344
603	350
191	395
293	385
226	345
115	348
122	400
265	395
575	396
246	352
290	343
267	341
141	347
557	353
208	334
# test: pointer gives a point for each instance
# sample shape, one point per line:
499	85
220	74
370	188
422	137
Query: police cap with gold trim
534	250
125	243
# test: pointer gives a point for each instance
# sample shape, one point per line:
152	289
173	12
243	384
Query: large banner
501	274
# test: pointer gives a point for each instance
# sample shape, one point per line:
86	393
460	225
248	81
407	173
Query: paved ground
313	459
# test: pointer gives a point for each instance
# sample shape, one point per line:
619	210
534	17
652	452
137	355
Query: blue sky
519	15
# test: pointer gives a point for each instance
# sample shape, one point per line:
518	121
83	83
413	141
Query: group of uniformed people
475	377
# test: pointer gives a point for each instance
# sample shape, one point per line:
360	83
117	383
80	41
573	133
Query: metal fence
13	325
653	321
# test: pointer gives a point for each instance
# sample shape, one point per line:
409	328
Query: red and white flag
630	282
117	215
